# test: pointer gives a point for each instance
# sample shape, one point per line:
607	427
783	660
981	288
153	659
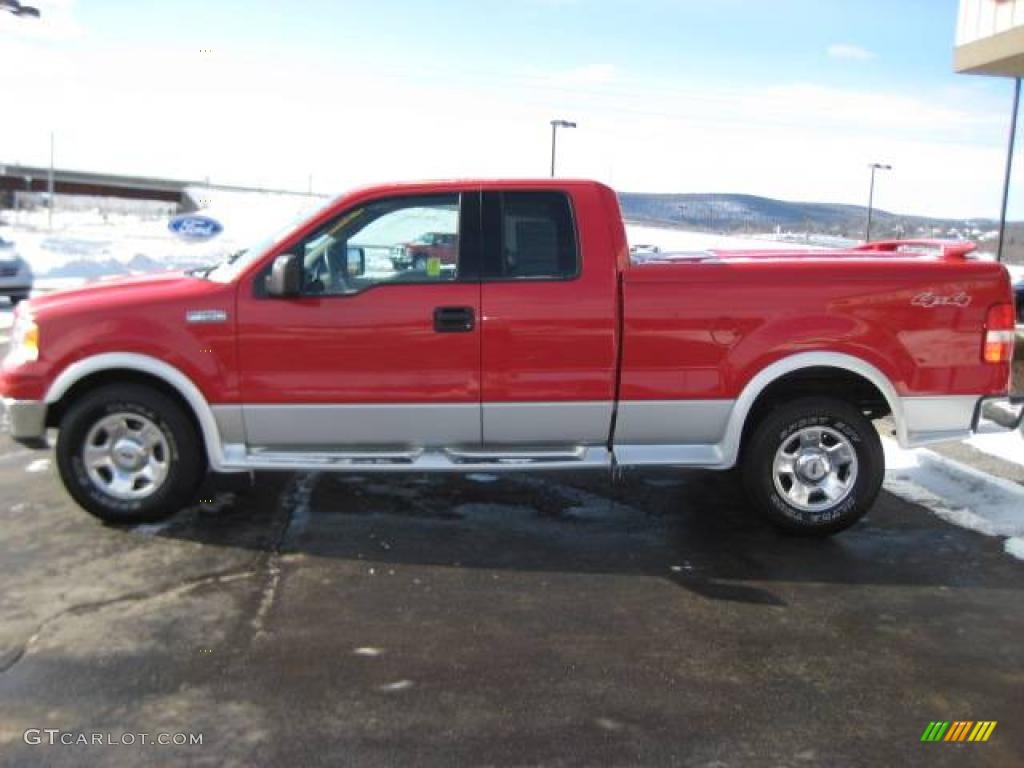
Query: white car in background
644	250
15	274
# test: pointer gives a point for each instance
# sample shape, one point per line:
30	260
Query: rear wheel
129	454
814	466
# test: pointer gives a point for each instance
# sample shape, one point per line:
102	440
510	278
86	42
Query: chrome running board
492	456
503	459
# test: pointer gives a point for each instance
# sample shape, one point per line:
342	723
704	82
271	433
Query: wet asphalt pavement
524	620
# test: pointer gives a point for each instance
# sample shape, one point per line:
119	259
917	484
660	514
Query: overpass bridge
29	178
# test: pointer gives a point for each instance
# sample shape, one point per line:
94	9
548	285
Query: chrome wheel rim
815	468
126	456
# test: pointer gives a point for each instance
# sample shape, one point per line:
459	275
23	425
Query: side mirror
355	262
285	278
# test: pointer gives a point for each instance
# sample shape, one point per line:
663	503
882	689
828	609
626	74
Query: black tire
419	263
15	300
842	428
181	452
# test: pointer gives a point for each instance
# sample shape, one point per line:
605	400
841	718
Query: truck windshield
234	265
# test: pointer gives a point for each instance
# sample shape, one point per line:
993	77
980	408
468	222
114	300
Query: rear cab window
529	235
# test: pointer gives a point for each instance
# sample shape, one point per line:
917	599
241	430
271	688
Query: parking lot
522	620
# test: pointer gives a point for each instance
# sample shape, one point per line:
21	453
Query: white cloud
586	76
258	121
850	52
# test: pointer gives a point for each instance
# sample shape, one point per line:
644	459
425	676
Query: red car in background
415	255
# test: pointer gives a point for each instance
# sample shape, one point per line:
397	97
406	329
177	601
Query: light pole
555	125
871	195
49	187
1009	169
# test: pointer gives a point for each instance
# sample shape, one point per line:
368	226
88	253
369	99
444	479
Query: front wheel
129	454
814	466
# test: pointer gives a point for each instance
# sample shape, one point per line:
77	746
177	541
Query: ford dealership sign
191	226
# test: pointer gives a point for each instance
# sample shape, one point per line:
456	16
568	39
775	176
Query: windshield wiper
204	272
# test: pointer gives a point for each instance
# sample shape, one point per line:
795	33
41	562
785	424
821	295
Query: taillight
999	334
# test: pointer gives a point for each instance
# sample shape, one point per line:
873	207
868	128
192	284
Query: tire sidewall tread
785	421
186	460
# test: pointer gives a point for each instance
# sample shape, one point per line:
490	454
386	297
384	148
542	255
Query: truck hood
140	290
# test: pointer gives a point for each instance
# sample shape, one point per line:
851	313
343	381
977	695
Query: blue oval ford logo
189	226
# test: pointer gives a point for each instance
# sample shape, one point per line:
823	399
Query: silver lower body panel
929	420
329	426
25	420
536	423
526	436
521	436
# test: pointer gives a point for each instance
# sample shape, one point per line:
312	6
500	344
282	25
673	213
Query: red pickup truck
443	246
544	348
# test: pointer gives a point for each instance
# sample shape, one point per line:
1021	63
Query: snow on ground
93	243
89	244
1000	443
957	493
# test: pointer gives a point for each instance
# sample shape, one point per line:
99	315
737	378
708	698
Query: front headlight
24	340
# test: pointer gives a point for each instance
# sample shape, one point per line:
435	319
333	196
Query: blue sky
764	40
787	98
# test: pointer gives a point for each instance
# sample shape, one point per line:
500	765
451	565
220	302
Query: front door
382	349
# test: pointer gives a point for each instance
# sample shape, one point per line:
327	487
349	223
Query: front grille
8	271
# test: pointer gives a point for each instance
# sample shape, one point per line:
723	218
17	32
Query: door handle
454	319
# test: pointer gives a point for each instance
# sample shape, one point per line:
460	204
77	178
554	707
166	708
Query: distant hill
729	213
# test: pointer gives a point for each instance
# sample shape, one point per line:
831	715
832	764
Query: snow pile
998	442
957	493
1015	547
92	243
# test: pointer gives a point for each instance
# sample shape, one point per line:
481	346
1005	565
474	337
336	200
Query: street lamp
555	125
871	195
15	7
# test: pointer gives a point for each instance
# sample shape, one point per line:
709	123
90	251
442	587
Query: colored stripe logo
960	730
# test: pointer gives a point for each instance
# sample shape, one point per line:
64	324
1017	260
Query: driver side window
397	240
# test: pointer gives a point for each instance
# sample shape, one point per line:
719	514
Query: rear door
549	323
